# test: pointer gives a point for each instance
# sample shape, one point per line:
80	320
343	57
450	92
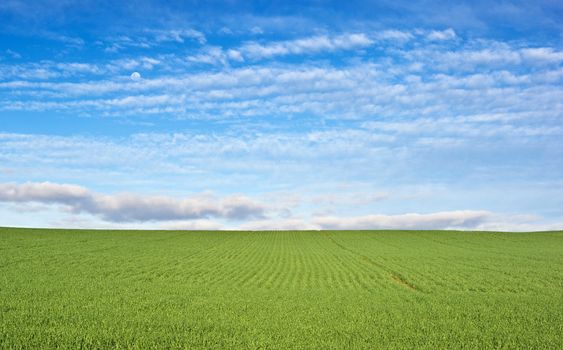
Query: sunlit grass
284	290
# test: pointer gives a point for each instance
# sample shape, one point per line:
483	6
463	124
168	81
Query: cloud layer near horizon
197	212
127	207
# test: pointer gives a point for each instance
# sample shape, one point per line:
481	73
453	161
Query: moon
135	76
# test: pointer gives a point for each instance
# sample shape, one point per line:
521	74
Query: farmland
280	290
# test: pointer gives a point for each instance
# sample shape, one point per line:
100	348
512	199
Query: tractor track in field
395	276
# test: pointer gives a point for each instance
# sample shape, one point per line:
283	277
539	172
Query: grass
280	290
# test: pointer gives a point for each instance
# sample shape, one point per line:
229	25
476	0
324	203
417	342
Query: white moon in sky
135	76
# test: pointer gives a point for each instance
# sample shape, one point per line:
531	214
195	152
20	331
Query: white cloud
309	45
128	207
441	220
71	41
235	55
302	46
354	91
353	199
394	35
542	54
468	59
277	224
193	225
214	55
178	35
256	30
152	38
437	35
452	220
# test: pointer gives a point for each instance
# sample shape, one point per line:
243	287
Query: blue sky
281	115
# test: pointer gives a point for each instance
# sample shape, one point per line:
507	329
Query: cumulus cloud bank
128	207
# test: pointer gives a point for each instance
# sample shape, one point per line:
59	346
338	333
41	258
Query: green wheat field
280	289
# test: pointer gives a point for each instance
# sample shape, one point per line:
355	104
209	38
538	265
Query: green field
280	290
